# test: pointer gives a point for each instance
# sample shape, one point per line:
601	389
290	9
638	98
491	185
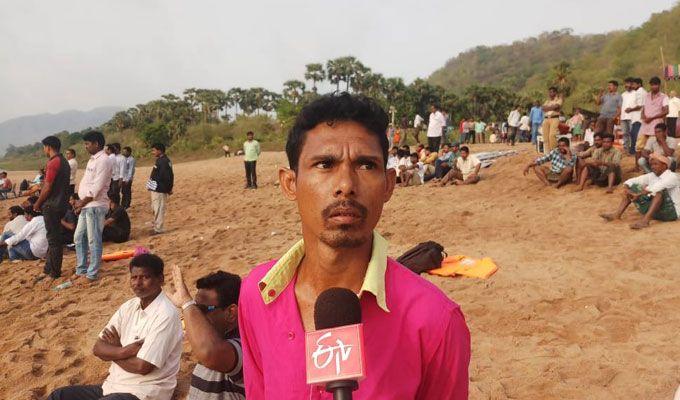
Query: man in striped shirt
562	162
211	321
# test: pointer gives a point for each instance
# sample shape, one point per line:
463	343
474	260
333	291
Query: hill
28	129
528	66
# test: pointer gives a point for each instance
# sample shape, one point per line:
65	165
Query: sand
579	308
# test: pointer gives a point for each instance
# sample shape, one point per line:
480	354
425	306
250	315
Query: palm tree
293	90
334	73
561	78
315	73
235	96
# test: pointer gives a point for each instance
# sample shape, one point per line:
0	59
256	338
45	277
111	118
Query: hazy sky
67	54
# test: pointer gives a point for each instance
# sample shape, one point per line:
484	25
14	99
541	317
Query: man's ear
232	313
287	180
390	182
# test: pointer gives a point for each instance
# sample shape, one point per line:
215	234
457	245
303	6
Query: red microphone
334	351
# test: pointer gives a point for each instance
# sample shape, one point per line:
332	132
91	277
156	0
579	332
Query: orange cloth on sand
463	265
118	255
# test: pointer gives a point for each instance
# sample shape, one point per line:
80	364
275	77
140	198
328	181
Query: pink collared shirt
96	181
653	106
420	349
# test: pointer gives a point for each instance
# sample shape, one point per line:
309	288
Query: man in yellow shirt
551	113
251	152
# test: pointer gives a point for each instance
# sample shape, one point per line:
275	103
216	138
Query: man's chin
343	239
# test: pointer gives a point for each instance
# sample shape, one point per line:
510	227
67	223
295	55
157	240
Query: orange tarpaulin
466	266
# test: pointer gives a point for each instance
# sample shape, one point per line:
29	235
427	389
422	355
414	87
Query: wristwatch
188	304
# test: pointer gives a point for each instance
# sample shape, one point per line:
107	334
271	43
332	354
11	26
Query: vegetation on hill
581	64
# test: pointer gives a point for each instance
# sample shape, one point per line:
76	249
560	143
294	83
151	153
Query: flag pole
663	68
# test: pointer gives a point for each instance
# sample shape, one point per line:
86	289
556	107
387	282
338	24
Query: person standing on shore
160	184
73	163
52	202
435	128
251	152
127	176
610	108
536	117
114	185
92	206
551	112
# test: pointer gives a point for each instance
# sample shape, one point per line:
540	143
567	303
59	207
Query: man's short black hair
598	134
52	142
414	155
30	211
607	136
614	82
250	133
111	147
150	261
72	152
128	148
655	81
638	81
553	88
227	286
395	148
32	199
158	146
334	108
465	149
563	140
16	210
95	137
630	79
661	126
116	146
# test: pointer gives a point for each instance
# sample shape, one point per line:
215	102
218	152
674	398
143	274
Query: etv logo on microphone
335	354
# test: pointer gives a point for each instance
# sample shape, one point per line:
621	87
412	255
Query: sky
82	54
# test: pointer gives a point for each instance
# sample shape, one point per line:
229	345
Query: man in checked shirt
561	169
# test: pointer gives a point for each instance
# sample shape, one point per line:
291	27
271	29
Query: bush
155	133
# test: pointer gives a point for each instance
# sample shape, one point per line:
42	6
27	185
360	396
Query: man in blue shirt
536	118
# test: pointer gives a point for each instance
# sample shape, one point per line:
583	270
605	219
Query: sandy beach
579	309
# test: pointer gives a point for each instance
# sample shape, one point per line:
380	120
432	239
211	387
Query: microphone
334	351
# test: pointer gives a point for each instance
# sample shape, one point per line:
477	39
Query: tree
315	73
562	78
343	69
155	133
293	90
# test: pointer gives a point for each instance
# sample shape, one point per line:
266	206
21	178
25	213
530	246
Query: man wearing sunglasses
211	323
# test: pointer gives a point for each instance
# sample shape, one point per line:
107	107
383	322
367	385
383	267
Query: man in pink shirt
91	208
417	345
654	112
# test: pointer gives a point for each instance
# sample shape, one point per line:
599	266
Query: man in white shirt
524	128
127	176
120	160
435	128
660	144
673	111
30	243
465	171
73	163
17	220
656	195
114	186
513	124
412	171
417	127
143	341
393	158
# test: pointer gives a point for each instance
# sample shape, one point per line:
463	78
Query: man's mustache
345	206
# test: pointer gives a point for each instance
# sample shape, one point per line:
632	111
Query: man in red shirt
53	202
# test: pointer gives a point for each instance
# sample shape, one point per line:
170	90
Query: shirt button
271	293
291	335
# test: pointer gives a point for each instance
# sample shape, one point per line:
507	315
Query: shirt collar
283	271
97	154
151	308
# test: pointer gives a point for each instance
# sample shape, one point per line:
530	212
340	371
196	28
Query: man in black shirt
53	203
160	184
116	224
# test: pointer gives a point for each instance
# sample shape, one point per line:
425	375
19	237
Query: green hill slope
527	66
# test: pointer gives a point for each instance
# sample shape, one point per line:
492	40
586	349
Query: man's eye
323	164
367	165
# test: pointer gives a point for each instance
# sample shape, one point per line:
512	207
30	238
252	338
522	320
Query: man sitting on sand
211	320
393	158
413	173
604	167
656	194
30	243
562	162
466	170
5	185
116	224
587	153
660	144
143	339
17	220
444	163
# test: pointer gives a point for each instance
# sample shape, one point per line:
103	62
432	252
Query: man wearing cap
656	195
661	144
416	342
